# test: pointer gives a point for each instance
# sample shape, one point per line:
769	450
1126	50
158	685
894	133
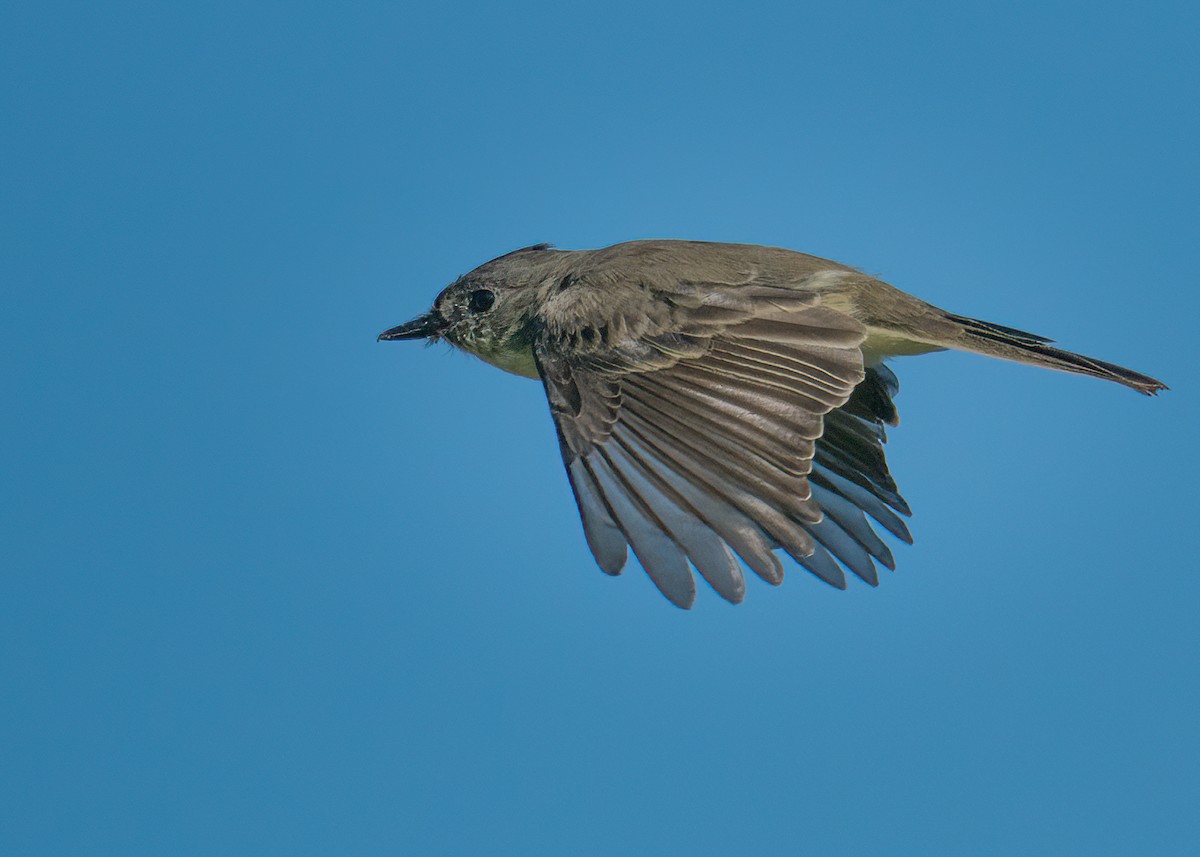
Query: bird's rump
694	441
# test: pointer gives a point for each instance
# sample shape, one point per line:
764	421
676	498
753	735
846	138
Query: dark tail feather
1011	344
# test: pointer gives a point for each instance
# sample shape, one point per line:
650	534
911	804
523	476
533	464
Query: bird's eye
481	300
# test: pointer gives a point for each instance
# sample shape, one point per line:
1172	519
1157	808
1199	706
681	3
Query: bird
718	403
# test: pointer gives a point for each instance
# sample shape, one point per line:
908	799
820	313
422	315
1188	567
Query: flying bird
720	401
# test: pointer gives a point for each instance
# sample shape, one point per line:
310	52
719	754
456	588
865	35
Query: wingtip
734	597
682	603
610	564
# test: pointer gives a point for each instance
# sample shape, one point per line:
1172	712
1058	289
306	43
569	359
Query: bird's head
488	311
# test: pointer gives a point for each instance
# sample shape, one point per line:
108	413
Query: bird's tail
1008	343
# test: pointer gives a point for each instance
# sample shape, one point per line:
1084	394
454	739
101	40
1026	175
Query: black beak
421	327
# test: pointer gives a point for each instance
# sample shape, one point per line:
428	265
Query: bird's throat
513	355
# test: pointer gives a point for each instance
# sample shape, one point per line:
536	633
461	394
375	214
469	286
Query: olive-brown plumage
717	402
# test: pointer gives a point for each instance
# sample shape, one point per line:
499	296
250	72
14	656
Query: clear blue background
270	587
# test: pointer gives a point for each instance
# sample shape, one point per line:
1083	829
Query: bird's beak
421	327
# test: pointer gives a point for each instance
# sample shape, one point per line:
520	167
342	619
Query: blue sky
270	587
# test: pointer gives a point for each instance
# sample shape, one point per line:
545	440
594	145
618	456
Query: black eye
481	300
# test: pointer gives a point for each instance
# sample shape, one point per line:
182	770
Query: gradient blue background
270	587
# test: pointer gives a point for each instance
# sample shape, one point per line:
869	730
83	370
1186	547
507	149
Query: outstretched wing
850	480
689	434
